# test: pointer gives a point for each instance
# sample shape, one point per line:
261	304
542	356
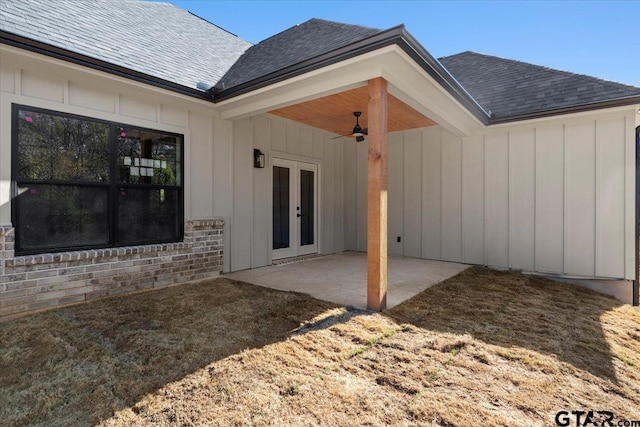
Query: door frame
284	159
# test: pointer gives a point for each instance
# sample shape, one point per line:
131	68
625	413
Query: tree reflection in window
86	183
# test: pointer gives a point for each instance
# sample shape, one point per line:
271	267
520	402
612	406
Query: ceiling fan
357	131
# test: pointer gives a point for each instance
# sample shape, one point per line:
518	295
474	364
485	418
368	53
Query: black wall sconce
258	159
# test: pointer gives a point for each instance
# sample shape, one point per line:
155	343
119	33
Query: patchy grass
78	365
483	347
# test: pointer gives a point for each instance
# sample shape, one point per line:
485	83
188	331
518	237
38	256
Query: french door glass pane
281	238
307	190
58	216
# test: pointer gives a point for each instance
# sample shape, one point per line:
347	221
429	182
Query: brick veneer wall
35	282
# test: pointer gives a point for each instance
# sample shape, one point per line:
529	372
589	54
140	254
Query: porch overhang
408	82
395	91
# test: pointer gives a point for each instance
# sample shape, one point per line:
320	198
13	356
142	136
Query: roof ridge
217	26
281	32
147	2
342	24
325	21
546	69
293	46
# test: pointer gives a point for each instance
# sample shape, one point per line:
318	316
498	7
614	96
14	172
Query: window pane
56	147
146	157
280	207
307	197
148	215
68	156
61	216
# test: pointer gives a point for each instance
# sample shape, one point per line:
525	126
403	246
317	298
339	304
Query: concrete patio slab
342	278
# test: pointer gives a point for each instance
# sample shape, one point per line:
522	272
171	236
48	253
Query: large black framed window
82	183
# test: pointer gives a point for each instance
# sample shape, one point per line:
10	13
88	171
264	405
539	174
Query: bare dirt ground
482	348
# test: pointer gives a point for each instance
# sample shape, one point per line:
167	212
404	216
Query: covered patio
342	278
392	86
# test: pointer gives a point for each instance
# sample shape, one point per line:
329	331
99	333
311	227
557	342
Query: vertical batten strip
636	218
440	143
65	91
484	201
463	252
510	200
597	166
535	193
565	219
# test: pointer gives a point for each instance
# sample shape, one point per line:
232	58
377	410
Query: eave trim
96	64
394	36
600	105
441	75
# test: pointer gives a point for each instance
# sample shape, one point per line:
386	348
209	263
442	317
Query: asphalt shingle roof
164	41
158	39
510	88
297	44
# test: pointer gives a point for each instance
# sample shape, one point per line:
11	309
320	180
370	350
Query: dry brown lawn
482	348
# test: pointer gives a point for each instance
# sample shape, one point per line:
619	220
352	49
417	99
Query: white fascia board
339	77
407	82
567	118
414	86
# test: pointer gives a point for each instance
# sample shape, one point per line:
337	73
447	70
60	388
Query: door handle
298	215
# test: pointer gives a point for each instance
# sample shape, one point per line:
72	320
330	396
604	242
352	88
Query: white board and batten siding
59	86
252	187
553	197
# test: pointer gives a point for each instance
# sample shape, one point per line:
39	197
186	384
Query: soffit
334	113
412	92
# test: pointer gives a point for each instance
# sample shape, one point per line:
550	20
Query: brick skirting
35	282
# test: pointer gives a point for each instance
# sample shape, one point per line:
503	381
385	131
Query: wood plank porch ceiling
334	113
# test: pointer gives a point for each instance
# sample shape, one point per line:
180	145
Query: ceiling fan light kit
357	131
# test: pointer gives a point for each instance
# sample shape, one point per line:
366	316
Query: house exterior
131	136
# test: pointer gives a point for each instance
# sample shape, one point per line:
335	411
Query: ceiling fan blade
341	136
365	131
359	138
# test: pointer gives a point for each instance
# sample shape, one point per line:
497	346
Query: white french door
295	208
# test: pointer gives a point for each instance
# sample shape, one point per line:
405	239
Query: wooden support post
377	196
